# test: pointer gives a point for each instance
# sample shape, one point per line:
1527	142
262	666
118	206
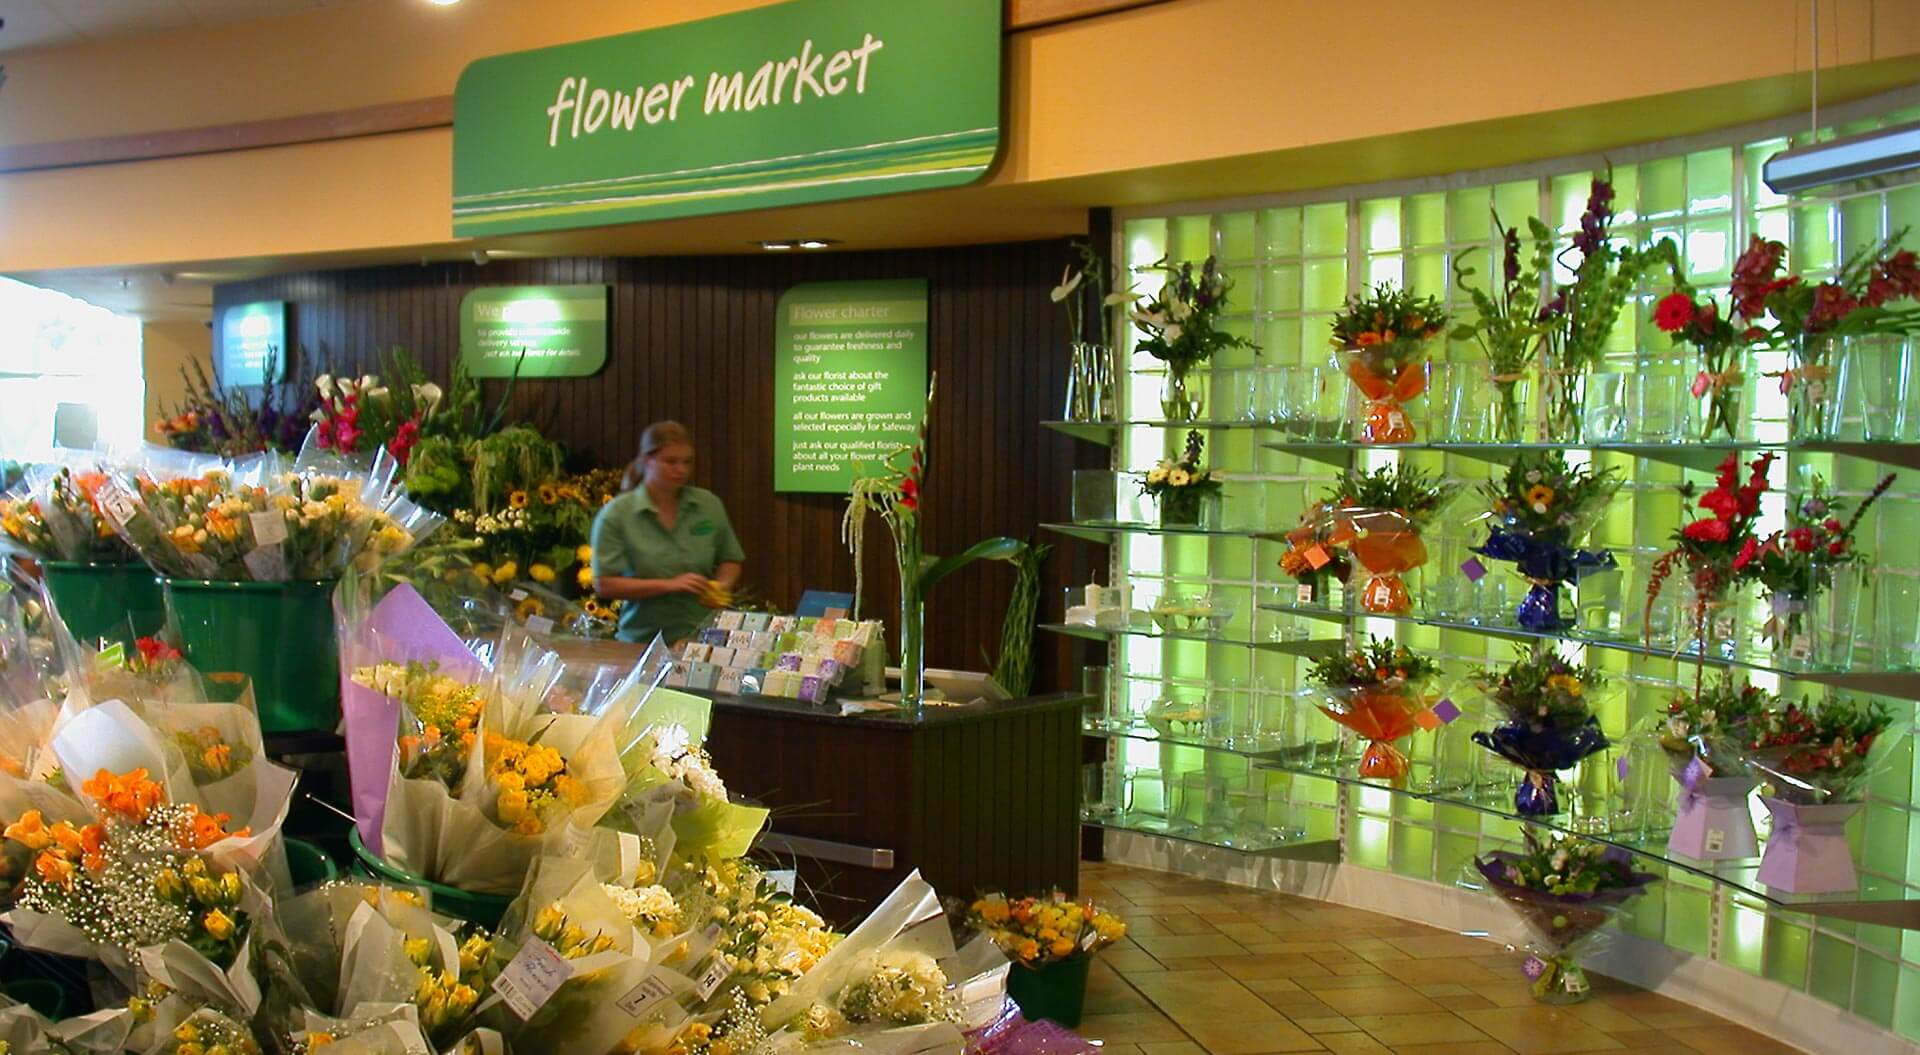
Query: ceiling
59	23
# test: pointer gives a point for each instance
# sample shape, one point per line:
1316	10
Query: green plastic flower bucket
484	909
308	864
1056	992
279	634
42	994
118	602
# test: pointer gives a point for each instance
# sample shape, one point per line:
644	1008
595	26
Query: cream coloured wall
165	349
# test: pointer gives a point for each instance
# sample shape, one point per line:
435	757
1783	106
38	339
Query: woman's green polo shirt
629	541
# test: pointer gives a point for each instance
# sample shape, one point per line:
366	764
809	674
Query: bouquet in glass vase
1507	323
1379	518
1797	565
1704	733
1815	761
1090	379
1379	691
1565	889
1181	485
1580	317
1537	515
1381	337
1723	345
1814	320
1182	327
1715	551
1547	705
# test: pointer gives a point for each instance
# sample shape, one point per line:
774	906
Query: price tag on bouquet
1303	594
536	973
1534	967
1574	980
267	564
118	504
641	998
718	970
269	528
783	879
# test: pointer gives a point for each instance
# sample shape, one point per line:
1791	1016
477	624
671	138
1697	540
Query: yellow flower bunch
212	903
209	756
446	994
530	780
1037	930
210	1033
21	521
568	938
442	711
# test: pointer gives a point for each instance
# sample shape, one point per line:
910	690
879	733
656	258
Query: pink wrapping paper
402	628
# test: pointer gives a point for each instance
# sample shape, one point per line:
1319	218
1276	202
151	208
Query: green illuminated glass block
1786	955
1906	1009
1282	288
1567	199
1774	225
1314	333
1385	268
1324	230
1830	974
1426	219
1325	287
1191	238
1812	247
1876	984
1514	202
1759	195
1626	197
1903	209
1380	224
1280	342
1859	224
1709	251
1426	274
1743	932
1235	232
1146	242
1412	851
1280	231
1369	843
1710	181
1663	188
1470	215
1689	914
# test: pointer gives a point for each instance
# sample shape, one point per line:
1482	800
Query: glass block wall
1293	260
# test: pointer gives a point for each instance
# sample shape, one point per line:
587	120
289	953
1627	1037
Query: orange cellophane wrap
1386	422
1386	554
1381	714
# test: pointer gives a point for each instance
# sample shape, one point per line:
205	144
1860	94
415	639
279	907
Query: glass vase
1182	507
1812	384
1718	386
1709	617
1090	384
1563	394
913	634
1875	371
1183	398
1510	410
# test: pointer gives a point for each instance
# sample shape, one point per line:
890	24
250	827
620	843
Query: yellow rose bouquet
1039	930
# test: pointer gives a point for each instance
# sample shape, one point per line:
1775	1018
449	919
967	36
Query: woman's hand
691	582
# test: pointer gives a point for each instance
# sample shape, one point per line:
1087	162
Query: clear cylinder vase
1562	396
1813	388
1183	396
913	645
1709	620
1720	392
1511	409
1090	384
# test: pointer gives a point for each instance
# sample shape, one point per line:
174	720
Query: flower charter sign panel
850	380
808	101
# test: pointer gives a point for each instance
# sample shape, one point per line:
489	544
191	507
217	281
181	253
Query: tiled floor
1211	968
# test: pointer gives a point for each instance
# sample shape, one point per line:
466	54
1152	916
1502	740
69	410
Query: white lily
368	381
1118	297
325	384
1180	310
377	393
1069	281
1172	331
428	395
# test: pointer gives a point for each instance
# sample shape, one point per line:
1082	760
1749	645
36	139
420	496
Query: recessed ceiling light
443	3
776	245
781	244
818	243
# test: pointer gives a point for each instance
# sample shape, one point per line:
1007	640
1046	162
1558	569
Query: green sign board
539	331
253	341
850	380
807	101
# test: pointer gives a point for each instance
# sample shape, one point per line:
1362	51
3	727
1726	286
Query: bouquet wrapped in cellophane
1537	515
1379	691
1380	517
1815	761
1564	889
250	522
1547	703
54	514
1382	335
1704	735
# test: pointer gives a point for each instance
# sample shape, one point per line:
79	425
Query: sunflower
1539	496
548	495
527	608
517	500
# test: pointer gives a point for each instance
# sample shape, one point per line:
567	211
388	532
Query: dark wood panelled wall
691	338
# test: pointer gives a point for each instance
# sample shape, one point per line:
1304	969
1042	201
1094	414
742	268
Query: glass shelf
1305	647
1105	530
1694	454
1904	684
1264	752
1879	901
1293	847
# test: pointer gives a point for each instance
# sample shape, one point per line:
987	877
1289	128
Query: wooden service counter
981	796
977	797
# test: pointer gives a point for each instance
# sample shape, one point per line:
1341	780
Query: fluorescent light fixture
783	244
818	243
777	245
443	3
1868	157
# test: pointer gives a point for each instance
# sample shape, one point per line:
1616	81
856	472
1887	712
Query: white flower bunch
688	764
649	908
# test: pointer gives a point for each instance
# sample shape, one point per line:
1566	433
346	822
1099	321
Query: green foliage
1014	669
1399	488
1385	315
1506	321
1377	662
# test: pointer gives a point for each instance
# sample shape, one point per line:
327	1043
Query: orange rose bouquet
1379	691
1041	930
1381	336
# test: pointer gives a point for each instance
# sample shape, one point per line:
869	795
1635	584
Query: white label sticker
269	528
539	624
118	503
641	998
536	973
783	880
516	594
718	970
1716	840
1574	980
1396	420
1303	594
1801	648
267	564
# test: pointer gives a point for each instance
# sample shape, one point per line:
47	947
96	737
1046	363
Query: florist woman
664	547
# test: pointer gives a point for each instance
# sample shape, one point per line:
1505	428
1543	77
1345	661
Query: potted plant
1704	734
1816	761
1051	941
1507	322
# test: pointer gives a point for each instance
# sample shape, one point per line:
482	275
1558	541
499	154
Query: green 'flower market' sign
808	101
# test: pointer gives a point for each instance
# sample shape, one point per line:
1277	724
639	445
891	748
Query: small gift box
1807	852
810	667
765	641
738	639
824	628
804	624
863	634
695	650
676	676
847	653
831	671
788	662
780	683
718	656
780	624
753	682
813	690
714	635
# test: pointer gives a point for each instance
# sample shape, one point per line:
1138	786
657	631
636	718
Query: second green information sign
850	380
